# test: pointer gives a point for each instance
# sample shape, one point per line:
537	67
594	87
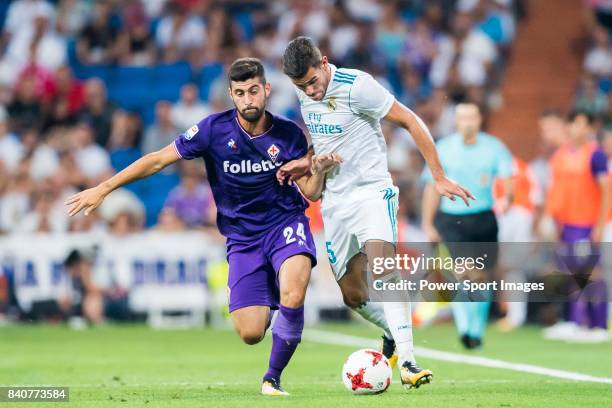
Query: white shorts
607	232
363	216
516	225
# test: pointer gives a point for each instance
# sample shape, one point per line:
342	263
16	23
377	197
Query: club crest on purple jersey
242	171
273	152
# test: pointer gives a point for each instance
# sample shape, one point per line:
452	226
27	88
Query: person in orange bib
607	235
578	202
516	221
606	145
516	218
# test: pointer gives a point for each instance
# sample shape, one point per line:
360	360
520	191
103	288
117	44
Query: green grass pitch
134	366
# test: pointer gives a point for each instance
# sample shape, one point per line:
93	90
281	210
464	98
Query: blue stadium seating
208	74
131	87
71	52
138	89
4	5
179	72
395	80
604	84
245	22
92	71
156	189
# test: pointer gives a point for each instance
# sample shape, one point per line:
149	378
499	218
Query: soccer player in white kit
342	109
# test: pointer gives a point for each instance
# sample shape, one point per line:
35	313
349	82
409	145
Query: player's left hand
448	188
293	170
325	162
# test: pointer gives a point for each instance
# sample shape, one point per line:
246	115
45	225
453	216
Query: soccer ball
366	371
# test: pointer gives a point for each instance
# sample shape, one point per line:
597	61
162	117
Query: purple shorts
576	253
573	233
254	265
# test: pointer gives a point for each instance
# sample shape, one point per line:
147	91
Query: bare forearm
425	144
295	169
141	168
312	185
431	201
90	199
404	117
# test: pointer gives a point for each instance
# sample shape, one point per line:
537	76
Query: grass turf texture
134	366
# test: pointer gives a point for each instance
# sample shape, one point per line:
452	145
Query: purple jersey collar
249	135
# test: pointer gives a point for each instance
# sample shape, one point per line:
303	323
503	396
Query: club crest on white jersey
347	122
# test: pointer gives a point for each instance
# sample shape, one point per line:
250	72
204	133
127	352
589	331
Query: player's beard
252	114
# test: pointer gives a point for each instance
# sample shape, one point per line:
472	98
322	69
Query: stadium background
87	87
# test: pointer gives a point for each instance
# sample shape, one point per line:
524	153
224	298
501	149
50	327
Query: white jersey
347	122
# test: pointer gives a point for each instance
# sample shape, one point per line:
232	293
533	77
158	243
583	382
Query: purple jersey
599	163
242	171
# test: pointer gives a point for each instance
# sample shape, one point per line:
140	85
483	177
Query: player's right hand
449	188
87	200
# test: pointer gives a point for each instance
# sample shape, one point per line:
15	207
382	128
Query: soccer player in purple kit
270	249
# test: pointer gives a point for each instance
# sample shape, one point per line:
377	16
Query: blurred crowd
66	66
61	130
593	94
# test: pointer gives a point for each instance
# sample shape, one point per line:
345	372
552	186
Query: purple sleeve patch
194	141
599	163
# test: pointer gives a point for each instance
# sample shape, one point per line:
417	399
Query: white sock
517	313
399	320
374	313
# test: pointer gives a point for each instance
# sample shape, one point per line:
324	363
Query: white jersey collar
332	72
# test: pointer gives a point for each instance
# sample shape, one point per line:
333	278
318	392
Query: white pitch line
113	385
325	337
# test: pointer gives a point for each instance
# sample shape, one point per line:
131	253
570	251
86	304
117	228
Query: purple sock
598	307
599	315
578	312
286	335
592	310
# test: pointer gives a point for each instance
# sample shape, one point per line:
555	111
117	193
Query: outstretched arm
90	199
295	168
404	117
429	207
311	185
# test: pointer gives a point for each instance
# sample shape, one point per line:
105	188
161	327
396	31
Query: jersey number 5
330	252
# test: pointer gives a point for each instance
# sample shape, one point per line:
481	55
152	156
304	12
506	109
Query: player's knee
251	336
292	298
252	339
353	299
